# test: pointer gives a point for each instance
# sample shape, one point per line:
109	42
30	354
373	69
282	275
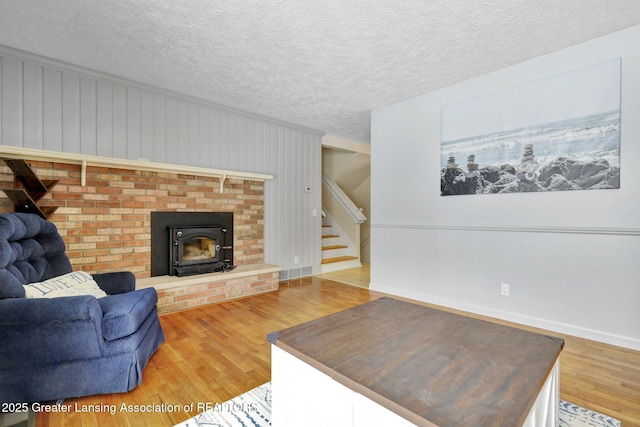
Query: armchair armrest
117	282
39	311
46	331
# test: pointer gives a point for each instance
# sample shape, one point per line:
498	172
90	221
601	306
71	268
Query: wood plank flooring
216	352
357	276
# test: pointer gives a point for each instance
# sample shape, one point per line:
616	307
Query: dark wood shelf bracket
29	189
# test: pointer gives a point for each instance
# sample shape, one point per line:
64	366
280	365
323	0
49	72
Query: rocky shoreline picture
557	134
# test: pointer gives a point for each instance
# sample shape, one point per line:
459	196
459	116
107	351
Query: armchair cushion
117	282
67	285
123	314
31	250
10	286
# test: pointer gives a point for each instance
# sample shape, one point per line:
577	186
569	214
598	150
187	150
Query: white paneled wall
58	107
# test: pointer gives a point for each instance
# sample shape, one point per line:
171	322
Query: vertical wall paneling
183	133
12	101
311	226
104	119
303	211
273	207
215	142
71	112
232	142
316	177
257	147
52	109
278	210
269	208
159	143
133	123
147	127
204	159
242	143
225	124
291	212
249	146
277	145
193	146
172	130
66	109
296	182
305	206
292	208
119	122
88	111
193	143
283	211
32	95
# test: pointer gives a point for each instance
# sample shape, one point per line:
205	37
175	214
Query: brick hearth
178	293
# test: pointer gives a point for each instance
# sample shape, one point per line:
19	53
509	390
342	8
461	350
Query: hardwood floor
216	352
358	276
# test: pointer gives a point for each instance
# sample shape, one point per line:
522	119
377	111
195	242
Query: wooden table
394	363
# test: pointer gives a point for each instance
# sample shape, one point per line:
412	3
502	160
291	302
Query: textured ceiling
319	64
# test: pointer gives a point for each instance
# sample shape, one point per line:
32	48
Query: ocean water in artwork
585	139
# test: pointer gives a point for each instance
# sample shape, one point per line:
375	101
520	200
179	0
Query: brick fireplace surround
106	225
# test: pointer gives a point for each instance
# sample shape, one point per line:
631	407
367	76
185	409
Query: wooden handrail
354	212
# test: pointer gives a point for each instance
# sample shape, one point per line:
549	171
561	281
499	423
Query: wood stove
187	243
198	250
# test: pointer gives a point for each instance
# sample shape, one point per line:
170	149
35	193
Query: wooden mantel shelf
88	160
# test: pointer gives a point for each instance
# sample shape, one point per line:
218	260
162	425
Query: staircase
336	251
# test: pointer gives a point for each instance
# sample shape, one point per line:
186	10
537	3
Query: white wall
572	258
45	104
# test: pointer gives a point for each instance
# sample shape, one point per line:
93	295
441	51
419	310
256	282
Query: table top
429	366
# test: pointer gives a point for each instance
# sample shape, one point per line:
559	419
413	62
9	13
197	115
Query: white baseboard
550	326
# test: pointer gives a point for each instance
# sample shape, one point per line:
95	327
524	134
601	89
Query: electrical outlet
296	260
504	289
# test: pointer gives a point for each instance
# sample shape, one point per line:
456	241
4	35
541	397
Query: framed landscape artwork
554	134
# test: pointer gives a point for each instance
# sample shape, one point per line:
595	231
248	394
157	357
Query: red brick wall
106	224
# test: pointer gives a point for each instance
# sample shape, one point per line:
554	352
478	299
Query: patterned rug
572	415
253	409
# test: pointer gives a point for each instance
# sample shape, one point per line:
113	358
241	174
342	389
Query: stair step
330	236
332	247
338	259
326	226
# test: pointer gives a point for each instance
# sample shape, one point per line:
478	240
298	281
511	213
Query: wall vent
295	272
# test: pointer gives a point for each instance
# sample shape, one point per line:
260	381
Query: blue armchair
56	348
